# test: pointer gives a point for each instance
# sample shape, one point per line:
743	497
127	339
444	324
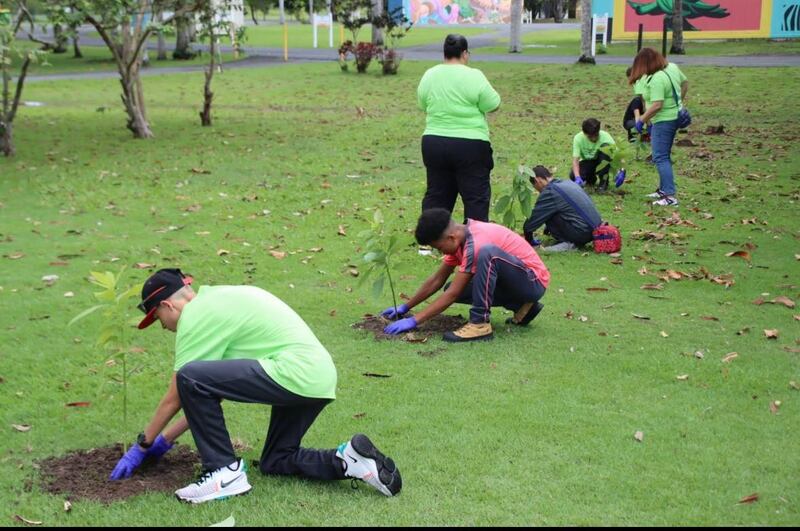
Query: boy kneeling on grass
587	156
243	344
496	267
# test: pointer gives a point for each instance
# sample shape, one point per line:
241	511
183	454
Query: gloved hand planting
403	325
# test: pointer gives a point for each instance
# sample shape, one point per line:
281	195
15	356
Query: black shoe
529	316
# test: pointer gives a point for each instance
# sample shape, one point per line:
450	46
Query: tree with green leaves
520	196
379	251
13	56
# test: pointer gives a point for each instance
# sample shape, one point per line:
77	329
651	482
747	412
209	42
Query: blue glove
620	178
403	325
535	242
579	181
639	126
129	463
394	313
159	448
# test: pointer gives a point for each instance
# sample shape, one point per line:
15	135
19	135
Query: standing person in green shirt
243	344
586	155
661	82
455	145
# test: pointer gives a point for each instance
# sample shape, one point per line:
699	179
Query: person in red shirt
496	267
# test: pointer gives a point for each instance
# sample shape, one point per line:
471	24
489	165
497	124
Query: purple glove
394	313
403	325
620	178
639	126
159	448
129	462
579	181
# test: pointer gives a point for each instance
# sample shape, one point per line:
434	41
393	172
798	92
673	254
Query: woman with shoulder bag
663	105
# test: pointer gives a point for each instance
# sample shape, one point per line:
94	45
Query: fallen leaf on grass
223	252
596	289
200	170
786	301
797	317
15	256
26	521
771	334
49	279
79	404
67	506
412	338
655	287
639	436
69	294
794	385
699	354
643	317
743	331
709	318
59	263
664	334
376	375
774	406
583	318
792	350
359	415
21	427
682	377
280	255
143	265
730	357
741	254
750	498
342	232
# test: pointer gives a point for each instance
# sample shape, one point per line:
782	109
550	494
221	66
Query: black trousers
563	231
588	169
202	385
458	166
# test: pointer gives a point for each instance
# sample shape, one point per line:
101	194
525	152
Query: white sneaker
365	462
222	483
655	195
666	200
560	247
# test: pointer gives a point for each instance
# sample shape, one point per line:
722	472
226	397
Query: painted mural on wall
425	12
709	19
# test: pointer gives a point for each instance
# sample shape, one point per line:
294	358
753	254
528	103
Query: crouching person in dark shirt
558	210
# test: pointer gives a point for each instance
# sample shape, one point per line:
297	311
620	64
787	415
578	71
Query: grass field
534	428
568	42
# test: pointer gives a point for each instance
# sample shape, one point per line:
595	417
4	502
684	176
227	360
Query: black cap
161	285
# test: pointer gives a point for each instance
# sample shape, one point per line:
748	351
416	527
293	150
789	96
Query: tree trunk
76	49
586	33
6	139
60	39
558	11
134	106
515	40
677	28
377	33
162	41
208	96
282	16
183	38
253	15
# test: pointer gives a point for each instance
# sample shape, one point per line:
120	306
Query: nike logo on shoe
223	484
351	458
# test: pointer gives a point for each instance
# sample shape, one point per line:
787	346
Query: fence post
639	42
664	38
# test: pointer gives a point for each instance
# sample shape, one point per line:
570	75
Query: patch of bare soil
83	474
434	327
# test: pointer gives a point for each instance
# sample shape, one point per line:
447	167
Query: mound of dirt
83	474
434	327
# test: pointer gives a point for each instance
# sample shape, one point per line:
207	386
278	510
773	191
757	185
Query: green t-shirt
639	85
585	149
246	322
456	99
658	87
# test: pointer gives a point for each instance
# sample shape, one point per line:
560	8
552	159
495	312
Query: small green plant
619	155
379	252
520	194
115	307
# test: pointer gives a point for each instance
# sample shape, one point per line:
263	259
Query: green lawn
534	428
568	42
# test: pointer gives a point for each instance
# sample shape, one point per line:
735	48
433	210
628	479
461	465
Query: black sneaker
526	314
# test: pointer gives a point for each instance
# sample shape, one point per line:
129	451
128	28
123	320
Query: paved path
264	57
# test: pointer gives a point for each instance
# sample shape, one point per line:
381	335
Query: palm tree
586	33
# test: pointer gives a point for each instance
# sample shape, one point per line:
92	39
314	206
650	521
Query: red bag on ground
607	238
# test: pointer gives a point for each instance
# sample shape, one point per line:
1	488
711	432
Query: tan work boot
470	332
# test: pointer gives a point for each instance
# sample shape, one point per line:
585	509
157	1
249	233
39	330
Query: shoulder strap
574	205
674	92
